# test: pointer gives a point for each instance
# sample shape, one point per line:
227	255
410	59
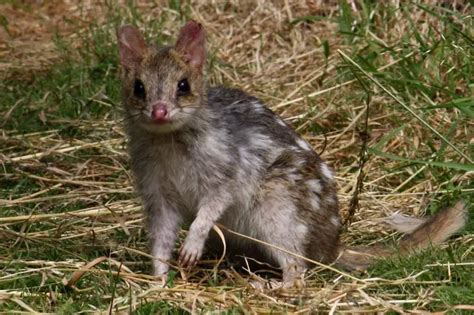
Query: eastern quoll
211	155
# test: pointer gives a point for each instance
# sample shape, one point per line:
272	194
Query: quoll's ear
132	46
191	44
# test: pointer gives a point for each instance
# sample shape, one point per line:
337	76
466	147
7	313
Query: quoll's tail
422	232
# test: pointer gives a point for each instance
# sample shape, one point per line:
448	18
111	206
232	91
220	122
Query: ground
382	90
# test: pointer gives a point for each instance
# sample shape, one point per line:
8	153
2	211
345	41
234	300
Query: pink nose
159	113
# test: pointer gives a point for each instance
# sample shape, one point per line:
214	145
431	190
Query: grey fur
218	155
224	157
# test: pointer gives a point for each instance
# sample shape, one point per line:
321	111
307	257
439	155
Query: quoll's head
162	88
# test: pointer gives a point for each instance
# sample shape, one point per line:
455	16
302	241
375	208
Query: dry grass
70	227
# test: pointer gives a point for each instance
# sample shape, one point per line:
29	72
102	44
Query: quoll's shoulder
231	100
241	113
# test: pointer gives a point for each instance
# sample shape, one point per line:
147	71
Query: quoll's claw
164	279
189	253
187	258
161	279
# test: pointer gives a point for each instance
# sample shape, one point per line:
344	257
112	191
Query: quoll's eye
139	89
183	87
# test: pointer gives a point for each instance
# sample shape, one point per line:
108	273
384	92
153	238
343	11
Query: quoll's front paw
190	252
160	267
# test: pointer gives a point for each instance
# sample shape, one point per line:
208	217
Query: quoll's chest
165	170
180	176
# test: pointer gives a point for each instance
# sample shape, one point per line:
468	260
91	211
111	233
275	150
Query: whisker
193	114
129	117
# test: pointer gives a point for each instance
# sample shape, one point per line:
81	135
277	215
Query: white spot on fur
260	141
295	148
335	221
314	185
246	159
314	201
259	108
214	146
299	162
331	200
301	229
303	144
257	140
326	171
293	176
280	122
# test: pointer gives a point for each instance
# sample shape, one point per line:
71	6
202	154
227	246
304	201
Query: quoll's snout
159	112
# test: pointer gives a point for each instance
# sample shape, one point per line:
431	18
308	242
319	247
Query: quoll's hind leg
293	276
275	220
292	267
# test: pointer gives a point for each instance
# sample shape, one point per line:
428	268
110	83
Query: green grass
77	101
